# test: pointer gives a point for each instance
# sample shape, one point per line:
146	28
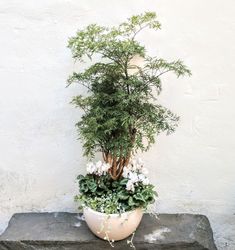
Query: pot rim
112	215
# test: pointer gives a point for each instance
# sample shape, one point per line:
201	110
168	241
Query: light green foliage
121	114
104	195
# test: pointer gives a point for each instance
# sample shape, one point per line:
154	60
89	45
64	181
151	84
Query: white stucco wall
39	155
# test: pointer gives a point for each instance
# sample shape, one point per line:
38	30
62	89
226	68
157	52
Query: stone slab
68	231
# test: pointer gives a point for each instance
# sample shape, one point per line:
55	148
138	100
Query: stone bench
68	231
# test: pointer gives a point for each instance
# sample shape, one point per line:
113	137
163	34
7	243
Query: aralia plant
121	113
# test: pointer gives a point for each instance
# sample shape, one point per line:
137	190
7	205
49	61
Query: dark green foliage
121	114
103	194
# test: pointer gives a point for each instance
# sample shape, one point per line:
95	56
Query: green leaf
121	113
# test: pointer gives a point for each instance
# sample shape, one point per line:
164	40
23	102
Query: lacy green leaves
115	43
121	113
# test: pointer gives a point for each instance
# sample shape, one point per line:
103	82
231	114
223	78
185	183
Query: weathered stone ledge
68	231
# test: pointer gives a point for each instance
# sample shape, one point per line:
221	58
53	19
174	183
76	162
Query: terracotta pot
113	226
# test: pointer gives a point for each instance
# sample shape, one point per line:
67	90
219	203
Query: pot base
112	227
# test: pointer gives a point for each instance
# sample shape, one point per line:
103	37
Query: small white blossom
105	167
91	168
100	168
146	181
141	177
99	164
125	172
135	173
130	186
133	176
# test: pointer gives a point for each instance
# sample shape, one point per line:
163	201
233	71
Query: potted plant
121	116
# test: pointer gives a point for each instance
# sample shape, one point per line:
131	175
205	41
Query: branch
164	72
141	28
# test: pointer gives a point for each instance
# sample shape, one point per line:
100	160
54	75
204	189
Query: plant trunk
117	164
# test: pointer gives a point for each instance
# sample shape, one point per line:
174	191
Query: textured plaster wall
39	155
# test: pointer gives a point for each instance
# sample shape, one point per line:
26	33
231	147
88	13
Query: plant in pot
120	117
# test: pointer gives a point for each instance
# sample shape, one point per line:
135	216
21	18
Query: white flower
130	186
125	172
135	173
134	167
99	168
91	168
105	167
133	177
98	164
146	181
141	177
